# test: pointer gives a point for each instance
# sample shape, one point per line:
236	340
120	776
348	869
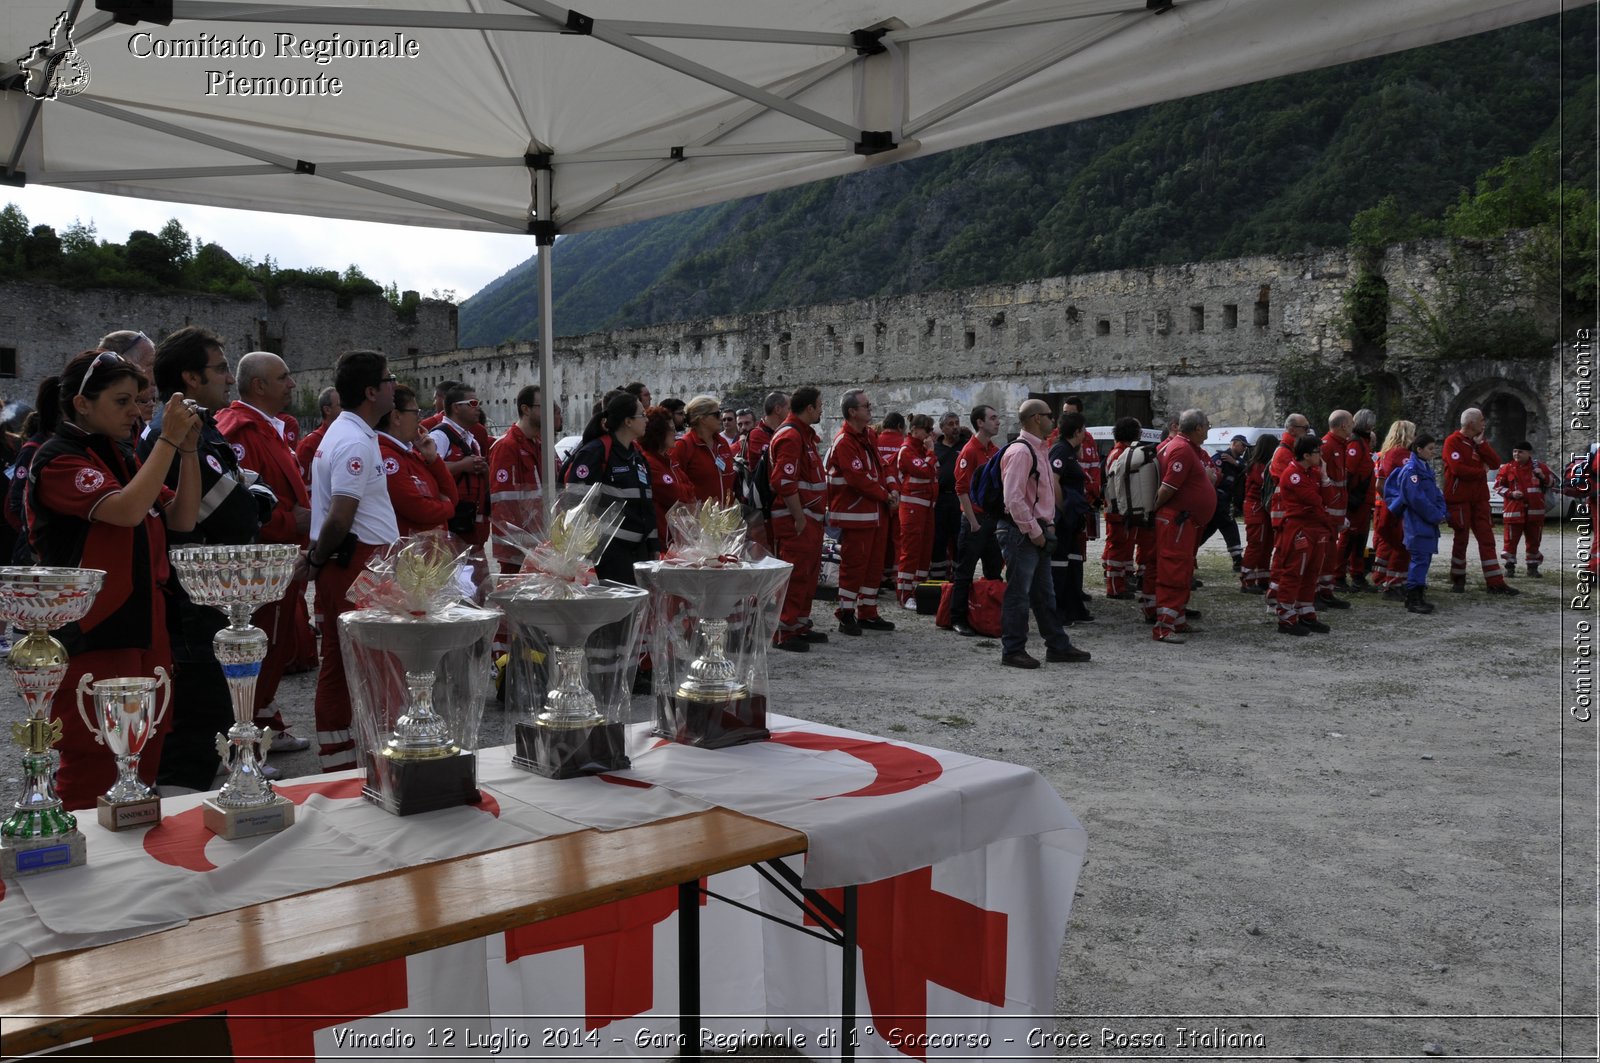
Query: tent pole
547	378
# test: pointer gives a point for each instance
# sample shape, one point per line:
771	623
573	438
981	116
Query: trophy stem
420	732
570	702
240	651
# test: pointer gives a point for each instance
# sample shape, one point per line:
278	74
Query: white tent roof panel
753	95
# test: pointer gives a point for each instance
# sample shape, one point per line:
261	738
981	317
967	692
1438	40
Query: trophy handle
225	752
164	685
84	684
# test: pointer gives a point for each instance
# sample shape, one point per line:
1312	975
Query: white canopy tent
525	116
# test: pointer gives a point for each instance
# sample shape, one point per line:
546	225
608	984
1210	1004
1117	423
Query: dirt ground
1379	842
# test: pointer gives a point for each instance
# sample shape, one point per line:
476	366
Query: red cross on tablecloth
618	942
910	935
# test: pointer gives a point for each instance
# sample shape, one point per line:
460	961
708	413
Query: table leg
847	996
689	966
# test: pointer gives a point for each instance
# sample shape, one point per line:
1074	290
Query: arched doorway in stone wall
1388	399
1513	414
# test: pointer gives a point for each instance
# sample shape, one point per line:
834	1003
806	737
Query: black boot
1415	603
1533	570
1511	568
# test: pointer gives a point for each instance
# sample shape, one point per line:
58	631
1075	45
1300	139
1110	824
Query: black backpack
753	487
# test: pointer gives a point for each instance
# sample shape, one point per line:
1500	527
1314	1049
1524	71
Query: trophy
38	835
123	719
572	736
733	605
413	616
239	580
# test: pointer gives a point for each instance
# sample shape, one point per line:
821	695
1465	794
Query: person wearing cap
1522	482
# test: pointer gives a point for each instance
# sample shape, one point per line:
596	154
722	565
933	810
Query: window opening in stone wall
1263	305
1230	315
8	361
766	351
861	346
971	339
1102	327
1197	319
1072	314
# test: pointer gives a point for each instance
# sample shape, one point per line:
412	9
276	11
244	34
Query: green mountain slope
1273	167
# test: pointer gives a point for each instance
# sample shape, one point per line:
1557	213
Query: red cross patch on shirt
88	480
355	465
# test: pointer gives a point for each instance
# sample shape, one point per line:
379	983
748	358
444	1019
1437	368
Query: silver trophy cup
124	718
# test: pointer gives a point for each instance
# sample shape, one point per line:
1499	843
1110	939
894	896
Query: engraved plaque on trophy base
714	724
406	787
29	856
124	815
566	752
236	823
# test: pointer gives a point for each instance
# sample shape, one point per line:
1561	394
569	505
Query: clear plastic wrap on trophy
39	835
574	641
714	607
239	580
416	659
124	717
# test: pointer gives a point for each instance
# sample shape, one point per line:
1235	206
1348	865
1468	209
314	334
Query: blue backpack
988	490
1394	493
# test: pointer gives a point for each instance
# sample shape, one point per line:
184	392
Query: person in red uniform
254	427
91	504
440	403
1522	482
889	439
1303	540
755	444
976	541
1336	500
1124	541
917	469
1255	567
1468	457
467	459
421	488
306	449
702	456
1390	558
515	469
1295	427
1185	503
858	497
799	504
667	486
1350	569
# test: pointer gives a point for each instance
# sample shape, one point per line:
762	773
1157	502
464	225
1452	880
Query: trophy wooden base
558	752
406	787
236	823
714	724
125	815
29	856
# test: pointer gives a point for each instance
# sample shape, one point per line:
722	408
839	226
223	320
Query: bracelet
174	446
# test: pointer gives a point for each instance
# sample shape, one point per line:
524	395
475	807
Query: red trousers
1256	566
1531	526
803	550
1296	565
1353	543
916	544
860	567
336	743
1116	556
305	657
1390	558
1473	519
889	521
1173	569
87	768
279	621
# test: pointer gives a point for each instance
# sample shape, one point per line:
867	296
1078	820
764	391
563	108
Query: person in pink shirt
1026	531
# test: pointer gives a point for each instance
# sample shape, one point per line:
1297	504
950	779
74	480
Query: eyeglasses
103	358
221	368
464	402
413	409
391	379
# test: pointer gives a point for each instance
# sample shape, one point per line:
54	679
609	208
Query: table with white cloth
560	919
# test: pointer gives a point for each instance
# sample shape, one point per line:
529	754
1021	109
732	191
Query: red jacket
667	489
1301	492
423	493
1466	468
1282	458
1532	480
1388	462
1184	468
470	486
1358	476
917	470
1093	472
514	479
1335	481
888	443
257	445
291	429
797	470
707	471
1253	511
857	492
306	449
968	462
756	443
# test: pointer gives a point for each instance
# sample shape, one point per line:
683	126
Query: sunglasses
468	402
103	358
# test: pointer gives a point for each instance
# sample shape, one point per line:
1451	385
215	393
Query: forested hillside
1274	167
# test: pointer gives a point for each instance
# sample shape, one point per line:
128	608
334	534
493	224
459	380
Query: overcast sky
411	256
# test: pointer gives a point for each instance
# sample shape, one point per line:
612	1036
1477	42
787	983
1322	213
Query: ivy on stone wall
1307	384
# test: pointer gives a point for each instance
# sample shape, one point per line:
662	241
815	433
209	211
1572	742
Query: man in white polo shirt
352	517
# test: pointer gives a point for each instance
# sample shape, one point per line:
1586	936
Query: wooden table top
223	957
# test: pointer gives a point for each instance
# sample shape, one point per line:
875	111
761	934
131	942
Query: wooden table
224	957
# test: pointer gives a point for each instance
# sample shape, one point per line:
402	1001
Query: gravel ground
1379	842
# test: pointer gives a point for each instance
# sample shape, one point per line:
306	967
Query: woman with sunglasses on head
91	504
612	459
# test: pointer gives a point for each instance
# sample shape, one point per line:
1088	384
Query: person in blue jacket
1414	492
